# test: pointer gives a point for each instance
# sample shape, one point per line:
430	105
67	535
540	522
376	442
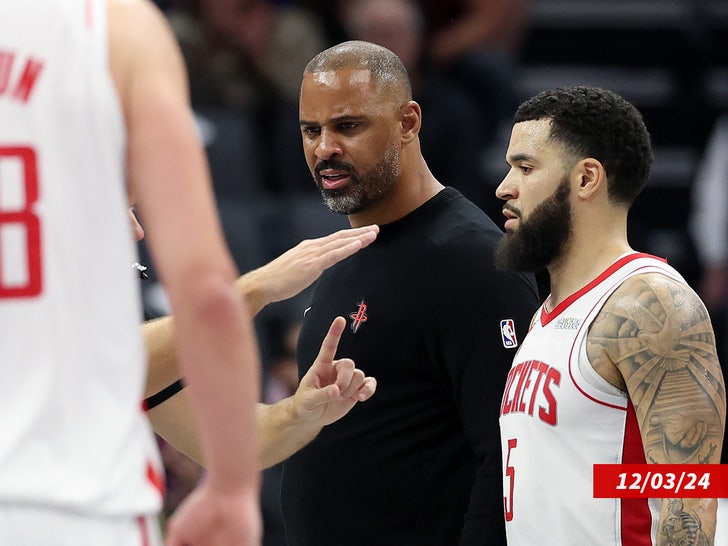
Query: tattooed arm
653	338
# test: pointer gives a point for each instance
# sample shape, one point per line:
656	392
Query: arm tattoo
681	527
658	335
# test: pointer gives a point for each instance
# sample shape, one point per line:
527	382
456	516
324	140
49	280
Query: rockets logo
508	333
360	317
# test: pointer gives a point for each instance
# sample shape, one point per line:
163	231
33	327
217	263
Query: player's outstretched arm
326	393
658	335
289	274
297	268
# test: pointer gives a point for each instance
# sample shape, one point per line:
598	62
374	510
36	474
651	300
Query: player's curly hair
595	122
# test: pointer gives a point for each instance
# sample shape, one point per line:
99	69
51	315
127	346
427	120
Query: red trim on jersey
636	520
142	521
547	316
155	478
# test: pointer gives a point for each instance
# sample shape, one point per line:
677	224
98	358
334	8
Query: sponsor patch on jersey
567	323
508	333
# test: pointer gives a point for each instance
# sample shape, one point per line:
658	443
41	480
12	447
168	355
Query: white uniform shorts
33	526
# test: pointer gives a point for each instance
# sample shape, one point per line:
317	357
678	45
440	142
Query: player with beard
544	236
427	314
619	365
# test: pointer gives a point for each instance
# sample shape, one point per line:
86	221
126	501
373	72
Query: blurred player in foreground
95	110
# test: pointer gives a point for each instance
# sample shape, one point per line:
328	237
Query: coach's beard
540	240
362	191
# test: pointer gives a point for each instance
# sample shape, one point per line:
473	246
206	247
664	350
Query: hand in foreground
216	518
297	268
331	387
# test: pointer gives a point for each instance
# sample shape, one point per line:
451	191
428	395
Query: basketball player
93	103
619	365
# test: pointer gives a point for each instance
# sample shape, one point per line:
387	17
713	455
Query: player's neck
585	259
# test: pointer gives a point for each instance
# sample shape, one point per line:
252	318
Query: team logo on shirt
359	317
508	333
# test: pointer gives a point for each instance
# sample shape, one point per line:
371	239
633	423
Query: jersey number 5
20	257
511	474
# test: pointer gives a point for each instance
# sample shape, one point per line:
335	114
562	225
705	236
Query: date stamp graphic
660	481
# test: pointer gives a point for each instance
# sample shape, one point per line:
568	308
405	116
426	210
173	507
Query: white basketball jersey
72	362
559	418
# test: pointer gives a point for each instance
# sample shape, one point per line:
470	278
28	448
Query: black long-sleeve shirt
419	463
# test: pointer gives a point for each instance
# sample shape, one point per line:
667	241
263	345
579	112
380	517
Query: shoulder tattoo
658	335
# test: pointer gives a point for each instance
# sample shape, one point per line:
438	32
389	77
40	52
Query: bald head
388	74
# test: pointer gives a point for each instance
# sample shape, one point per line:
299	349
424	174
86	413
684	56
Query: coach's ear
411	121
591	178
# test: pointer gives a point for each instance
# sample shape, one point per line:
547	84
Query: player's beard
363	190
542	238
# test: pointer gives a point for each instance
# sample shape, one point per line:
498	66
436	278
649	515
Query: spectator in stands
244	53
249	54
451	137
478	42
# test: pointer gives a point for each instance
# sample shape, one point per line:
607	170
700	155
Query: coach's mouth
334	179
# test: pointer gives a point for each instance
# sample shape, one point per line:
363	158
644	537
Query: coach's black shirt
419	463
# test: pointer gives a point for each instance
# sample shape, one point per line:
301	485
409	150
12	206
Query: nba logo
508	333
